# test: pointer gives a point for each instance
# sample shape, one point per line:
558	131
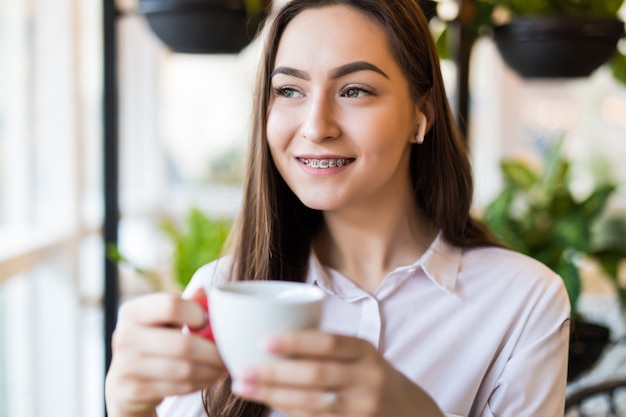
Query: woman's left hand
324	374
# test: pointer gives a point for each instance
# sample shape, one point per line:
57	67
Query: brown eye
287	92
354	92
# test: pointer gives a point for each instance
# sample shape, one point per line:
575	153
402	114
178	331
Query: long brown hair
274	230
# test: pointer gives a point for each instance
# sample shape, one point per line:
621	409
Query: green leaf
551	255
518	174
618	67
253	7
482	19
200	242
114	254
621	295
602	8
573	231
609	260
595	203
514	235
561	202
571	278
497	217
556	172
608	8
443	44
609	233
530	7
536	227
498	210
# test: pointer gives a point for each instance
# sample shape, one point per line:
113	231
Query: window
50	264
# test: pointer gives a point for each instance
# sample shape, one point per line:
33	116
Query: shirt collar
441	263
332	281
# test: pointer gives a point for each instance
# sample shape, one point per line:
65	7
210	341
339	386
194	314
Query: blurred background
183	126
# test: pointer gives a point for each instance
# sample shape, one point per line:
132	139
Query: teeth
326	163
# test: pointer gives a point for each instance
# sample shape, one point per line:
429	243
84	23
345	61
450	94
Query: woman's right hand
153	358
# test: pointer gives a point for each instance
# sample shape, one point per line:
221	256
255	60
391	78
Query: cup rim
316	293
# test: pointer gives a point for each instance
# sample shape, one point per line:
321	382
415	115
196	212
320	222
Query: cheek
384	131
280	130
383	141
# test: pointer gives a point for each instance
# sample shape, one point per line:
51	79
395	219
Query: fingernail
249	375
240	387
272	345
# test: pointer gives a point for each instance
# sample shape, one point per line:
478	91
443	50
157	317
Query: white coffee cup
244	314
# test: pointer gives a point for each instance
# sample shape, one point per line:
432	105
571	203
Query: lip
343	163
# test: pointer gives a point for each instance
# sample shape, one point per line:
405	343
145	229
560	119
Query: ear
425	116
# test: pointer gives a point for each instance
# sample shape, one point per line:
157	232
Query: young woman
359	183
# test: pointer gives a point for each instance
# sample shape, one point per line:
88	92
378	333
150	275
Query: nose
320	120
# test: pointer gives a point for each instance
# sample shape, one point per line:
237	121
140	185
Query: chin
317	204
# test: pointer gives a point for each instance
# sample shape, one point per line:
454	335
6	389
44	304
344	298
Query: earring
419	136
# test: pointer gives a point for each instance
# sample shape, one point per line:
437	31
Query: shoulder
500	263
505	275
209	275
523	283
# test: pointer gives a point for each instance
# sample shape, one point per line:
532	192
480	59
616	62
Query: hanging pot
587	342
202	26
557	47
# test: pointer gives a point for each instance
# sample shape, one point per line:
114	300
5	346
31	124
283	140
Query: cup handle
200	297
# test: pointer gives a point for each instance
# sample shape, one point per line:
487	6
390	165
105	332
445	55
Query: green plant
605	8
199	242
254	6
114	254
536	214
608	8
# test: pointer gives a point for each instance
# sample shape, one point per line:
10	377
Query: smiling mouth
326	163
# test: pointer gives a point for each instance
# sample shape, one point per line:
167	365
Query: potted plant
205	26
558	38
553	38
197	242
536	214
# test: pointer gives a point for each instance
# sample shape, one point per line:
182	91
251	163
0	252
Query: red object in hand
207	332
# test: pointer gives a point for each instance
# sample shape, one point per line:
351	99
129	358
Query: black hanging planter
586	344
557	47
202	26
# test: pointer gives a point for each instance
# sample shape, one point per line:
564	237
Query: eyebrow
356	67
336	73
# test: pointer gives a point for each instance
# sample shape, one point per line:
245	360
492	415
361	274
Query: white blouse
483	331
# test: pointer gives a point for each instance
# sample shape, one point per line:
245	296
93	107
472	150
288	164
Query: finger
301	373
166	342
292	401
168	369
153	391
313	343
127	390
161	310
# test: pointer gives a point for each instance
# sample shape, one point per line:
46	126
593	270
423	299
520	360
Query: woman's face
341	117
